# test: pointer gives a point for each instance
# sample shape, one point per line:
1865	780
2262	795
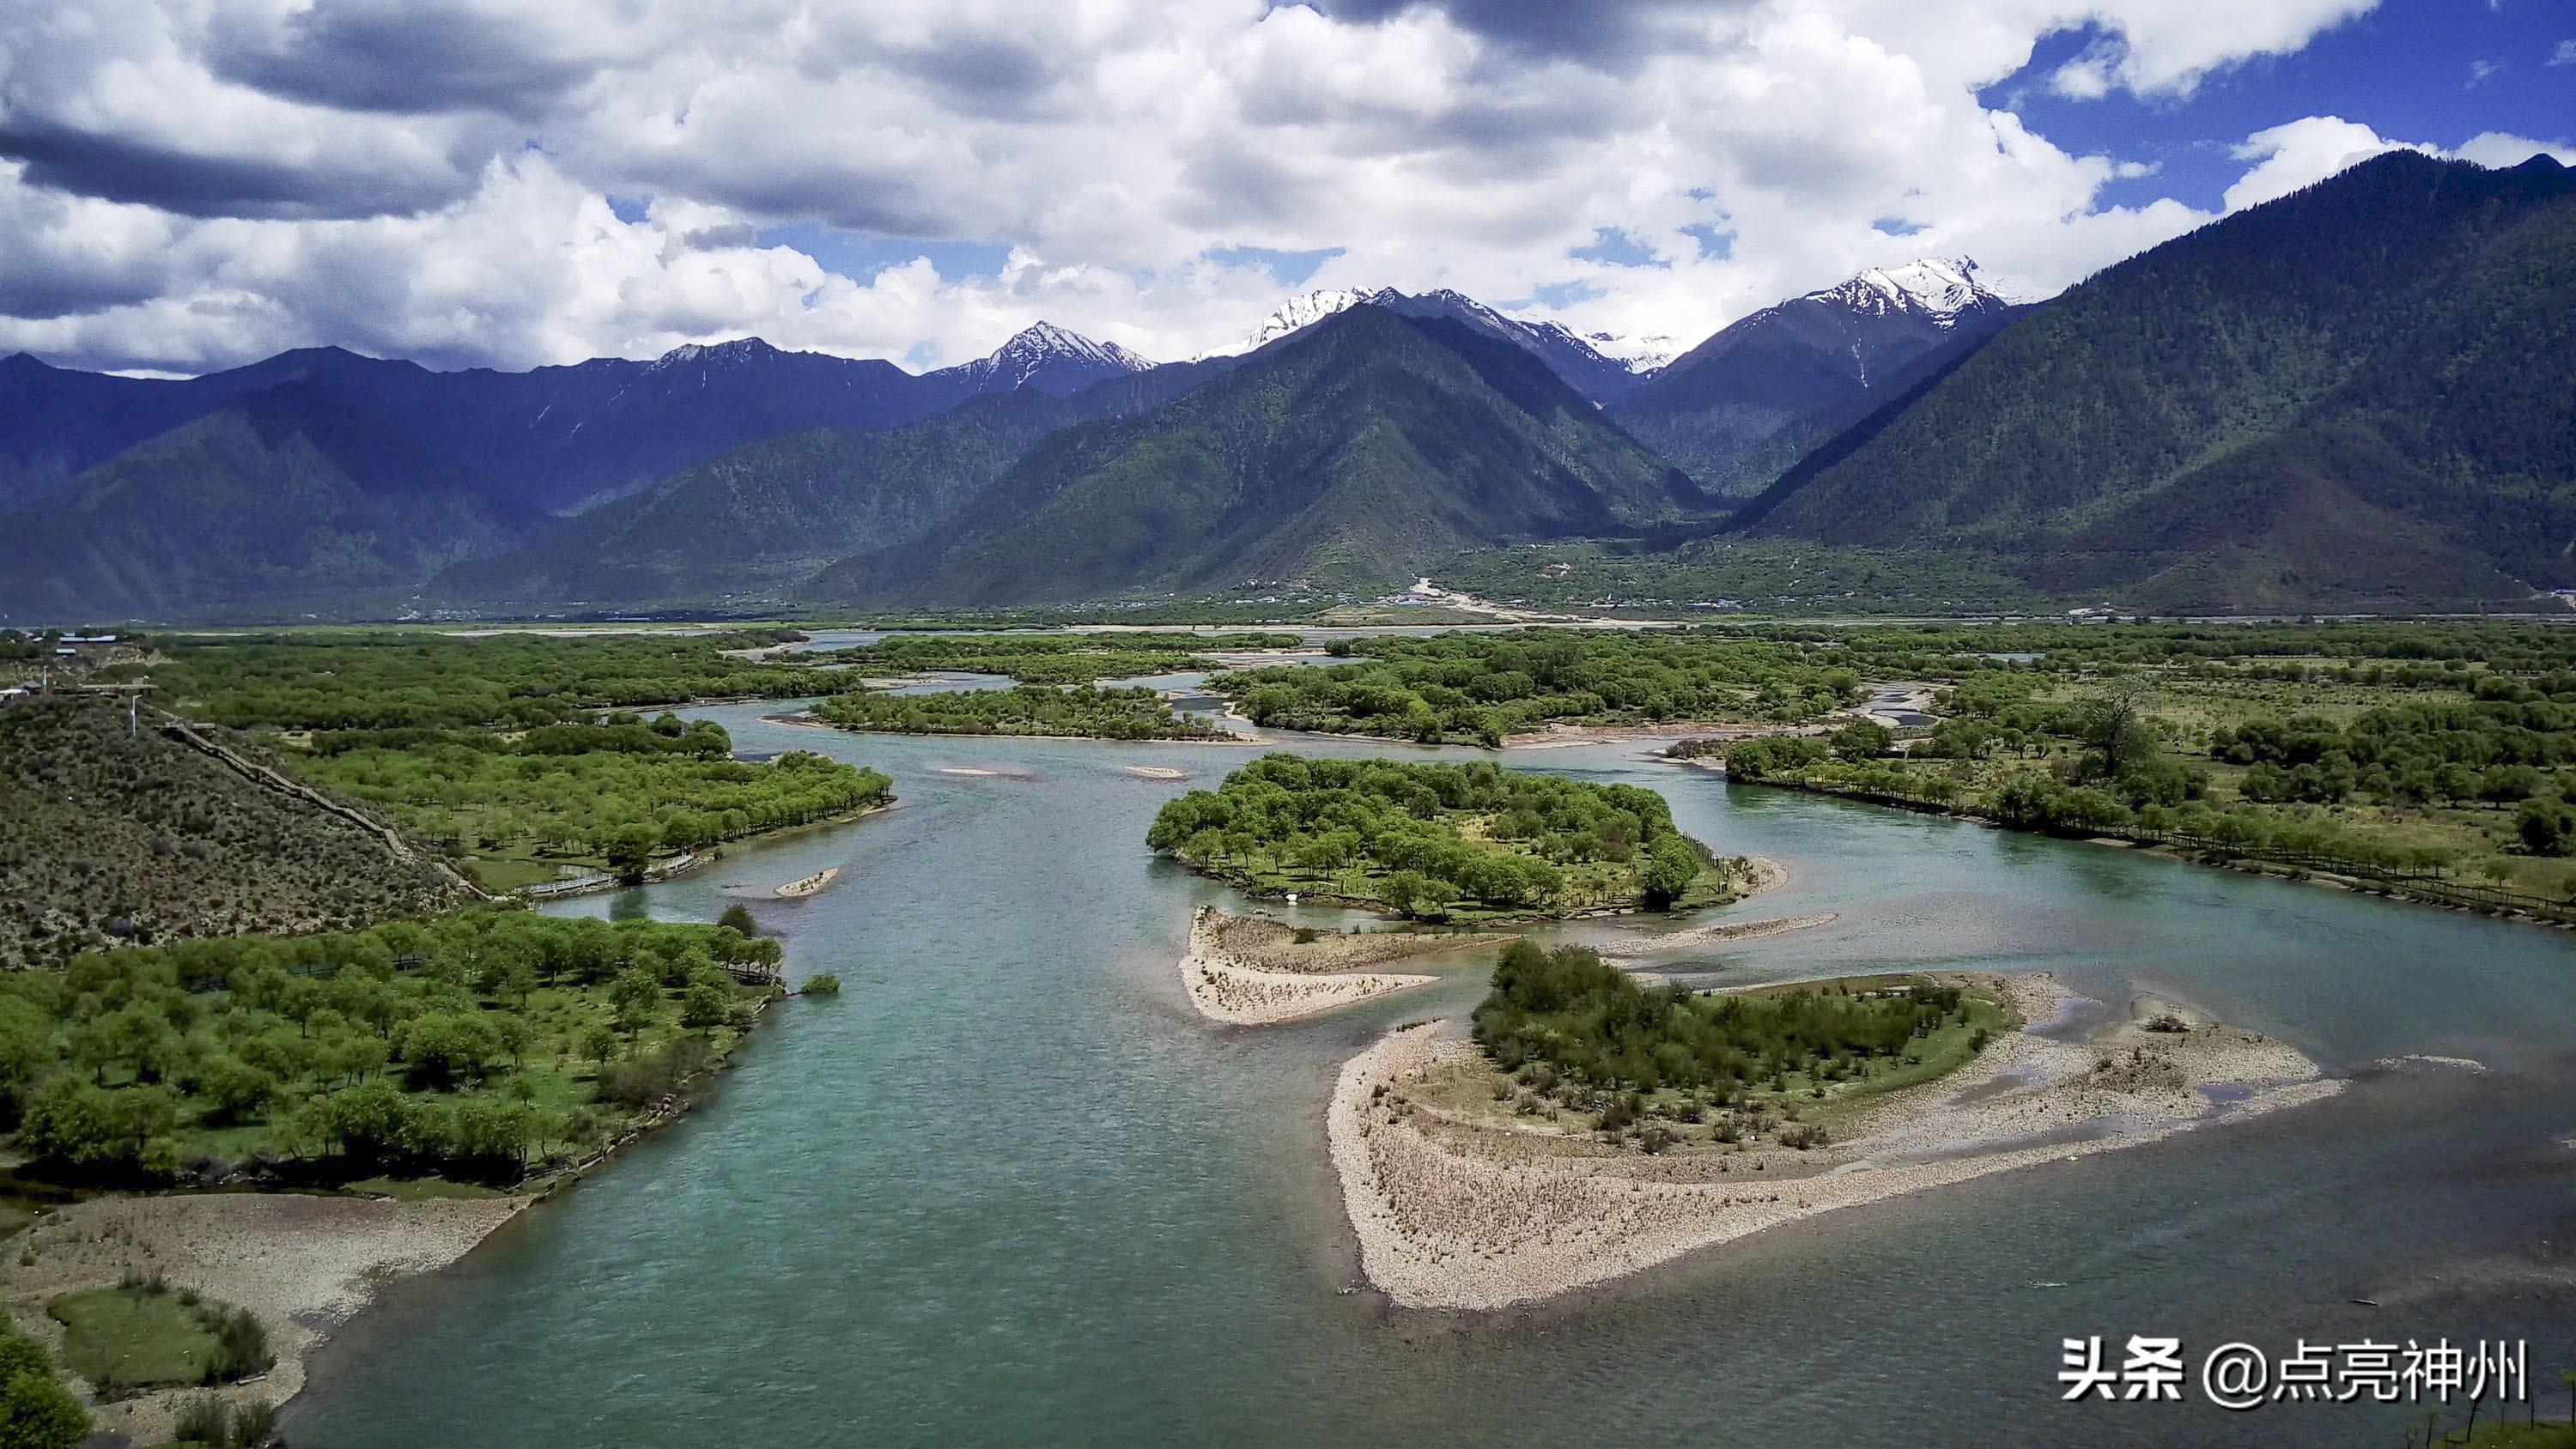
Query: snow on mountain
1585	366
1643	356
1937	289
1298	313
736	353
1045	357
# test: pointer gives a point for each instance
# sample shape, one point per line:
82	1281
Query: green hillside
2354	395
768	514
275	503
1353	451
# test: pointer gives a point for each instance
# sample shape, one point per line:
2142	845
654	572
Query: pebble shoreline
1449	1216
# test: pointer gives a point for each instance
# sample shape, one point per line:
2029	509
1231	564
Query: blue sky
2430	71
517	182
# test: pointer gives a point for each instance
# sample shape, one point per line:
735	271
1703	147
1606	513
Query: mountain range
1765	391
2355	395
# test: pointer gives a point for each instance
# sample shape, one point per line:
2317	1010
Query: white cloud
2565	54
200	182
2307	151
2154	49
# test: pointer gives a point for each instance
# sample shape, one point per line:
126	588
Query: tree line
1028	709
621	790
1480	687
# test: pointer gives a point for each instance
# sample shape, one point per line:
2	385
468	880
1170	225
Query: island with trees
1440	842
1596	1125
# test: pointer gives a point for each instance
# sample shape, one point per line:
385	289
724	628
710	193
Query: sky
187	185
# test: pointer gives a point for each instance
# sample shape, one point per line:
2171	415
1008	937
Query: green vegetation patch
2412	753
475	1048
1574	1033
147	1335
617	791
1441	841
520	752
1481	687
1770	576
37	1410
1028	709
515	681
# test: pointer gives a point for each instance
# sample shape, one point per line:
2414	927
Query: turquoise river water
1009	1189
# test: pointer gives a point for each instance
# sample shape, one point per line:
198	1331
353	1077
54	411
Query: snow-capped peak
1048	358
714	354
1937	288
1641	355
1041	343
1304	311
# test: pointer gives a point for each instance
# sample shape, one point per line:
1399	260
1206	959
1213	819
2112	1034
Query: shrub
822	983
648	1077
241	1346
207	1420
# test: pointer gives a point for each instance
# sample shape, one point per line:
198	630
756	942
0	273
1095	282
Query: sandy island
1253	971
303	1264
1454	1213
1157	772
1635	947
1566	736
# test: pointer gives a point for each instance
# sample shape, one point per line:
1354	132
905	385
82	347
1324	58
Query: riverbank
302	1264
693	860
1253	971
1479	1214
2452	895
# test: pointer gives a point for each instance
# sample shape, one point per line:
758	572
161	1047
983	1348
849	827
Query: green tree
1670	869
707	1004
628	850
37	1412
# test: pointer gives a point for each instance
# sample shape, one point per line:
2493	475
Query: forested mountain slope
2355	394
287	499
1353	449
766	515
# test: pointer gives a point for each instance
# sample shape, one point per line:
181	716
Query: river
1007	1188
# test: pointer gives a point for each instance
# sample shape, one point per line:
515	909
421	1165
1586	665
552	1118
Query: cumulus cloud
2153	49
2304	152
187	184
